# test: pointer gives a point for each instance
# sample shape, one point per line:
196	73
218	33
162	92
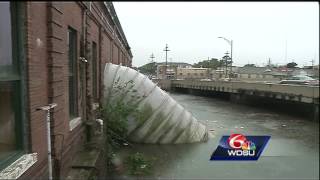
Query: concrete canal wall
292	99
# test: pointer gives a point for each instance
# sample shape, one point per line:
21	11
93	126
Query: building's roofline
173	63
194	68
116	21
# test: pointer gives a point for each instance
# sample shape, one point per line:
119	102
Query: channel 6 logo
240	147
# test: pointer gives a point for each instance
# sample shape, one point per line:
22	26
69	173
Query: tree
149	68
225	60
250	65
292	65
271	66
213	63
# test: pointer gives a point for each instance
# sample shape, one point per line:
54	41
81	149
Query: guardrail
303	93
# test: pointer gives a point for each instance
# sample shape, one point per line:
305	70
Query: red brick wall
71	17
94	34
47	68
115	54
37	77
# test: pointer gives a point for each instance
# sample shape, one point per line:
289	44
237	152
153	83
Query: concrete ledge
84	165
89	162
17	168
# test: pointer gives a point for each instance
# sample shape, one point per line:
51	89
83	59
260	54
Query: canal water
291	153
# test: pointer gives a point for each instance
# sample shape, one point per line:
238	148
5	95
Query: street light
230	42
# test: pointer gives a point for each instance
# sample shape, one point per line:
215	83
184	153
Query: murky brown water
292	152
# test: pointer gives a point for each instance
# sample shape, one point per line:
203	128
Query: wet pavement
291	153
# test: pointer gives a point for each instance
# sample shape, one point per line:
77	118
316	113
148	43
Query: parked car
301	79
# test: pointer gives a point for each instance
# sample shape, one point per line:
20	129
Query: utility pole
231	58
166	50
269	63
226	57
230	42
152	57
285	58
151	63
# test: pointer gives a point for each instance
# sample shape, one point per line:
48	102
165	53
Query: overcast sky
259	31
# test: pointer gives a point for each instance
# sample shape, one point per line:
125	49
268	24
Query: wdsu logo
240	147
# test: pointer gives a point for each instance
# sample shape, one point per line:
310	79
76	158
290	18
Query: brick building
52	52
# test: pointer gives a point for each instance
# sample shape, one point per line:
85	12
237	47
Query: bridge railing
306	91
295	90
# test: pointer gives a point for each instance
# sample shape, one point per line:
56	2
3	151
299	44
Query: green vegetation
292	65
213	63
143	114
115	112
272	66
138	164
149	69
250	65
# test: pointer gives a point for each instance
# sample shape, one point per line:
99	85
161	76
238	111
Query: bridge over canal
238	90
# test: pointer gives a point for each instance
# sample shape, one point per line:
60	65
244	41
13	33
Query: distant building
171	72
220	72
272	74
311	67
255	74
176	64
309	71
171	69
193	73
251	73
